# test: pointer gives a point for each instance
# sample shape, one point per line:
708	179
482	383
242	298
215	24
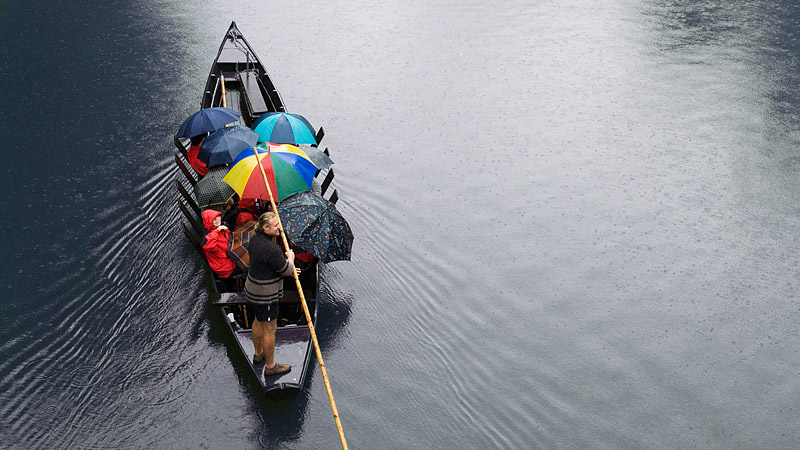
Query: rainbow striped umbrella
284	128
289	170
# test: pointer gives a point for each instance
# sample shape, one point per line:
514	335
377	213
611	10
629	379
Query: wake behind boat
239	81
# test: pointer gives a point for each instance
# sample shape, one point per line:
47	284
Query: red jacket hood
208	217
248	204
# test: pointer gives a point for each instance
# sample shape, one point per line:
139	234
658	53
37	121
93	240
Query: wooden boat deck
291	348
292	338
232	99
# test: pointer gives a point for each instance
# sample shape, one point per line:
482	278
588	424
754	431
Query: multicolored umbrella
237	244
224	145
284	128
211	190
315	225
206	120
288	170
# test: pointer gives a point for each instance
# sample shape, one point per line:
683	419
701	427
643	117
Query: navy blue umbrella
206	120
315	225
224	145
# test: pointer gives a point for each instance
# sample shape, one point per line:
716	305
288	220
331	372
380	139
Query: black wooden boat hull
239	81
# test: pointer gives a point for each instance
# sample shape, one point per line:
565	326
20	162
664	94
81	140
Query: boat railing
198	228
192	239
327	181
334	197
185	170
188	198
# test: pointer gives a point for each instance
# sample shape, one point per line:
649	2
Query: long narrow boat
238	80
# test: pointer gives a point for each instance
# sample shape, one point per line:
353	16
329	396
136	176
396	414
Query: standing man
264	287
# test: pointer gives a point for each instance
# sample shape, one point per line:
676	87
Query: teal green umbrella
284	128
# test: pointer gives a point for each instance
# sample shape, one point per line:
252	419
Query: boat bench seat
228	298
252	93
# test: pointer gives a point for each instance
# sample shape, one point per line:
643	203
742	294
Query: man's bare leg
268	340
258	339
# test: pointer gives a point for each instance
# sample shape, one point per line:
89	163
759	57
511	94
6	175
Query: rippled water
576	226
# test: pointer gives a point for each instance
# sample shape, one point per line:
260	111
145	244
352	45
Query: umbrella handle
272	200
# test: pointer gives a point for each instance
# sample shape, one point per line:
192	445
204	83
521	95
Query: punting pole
222	86
305	307
243	308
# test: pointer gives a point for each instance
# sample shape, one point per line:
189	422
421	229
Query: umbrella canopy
211	190
318	157
206	120
284	128
316	226
224	145
288	170
237	244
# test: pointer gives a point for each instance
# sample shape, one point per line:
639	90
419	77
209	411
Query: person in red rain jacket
247	211
215	245
191	155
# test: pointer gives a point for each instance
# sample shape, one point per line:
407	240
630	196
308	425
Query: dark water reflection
576	226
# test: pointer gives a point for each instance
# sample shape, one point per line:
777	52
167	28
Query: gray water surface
576	225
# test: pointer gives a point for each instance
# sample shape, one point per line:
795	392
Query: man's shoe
277	369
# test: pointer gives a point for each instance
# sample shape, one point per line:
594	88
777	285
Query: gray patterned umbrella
211	190
317	156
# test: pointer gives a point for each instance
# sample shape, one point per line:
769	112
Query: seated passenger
264	207
230	211
239	212
215	245
247	211
191	155
304	260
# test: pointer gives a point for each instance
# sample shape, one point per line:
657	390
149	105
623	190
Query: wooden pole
244	313
305	307
222	85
